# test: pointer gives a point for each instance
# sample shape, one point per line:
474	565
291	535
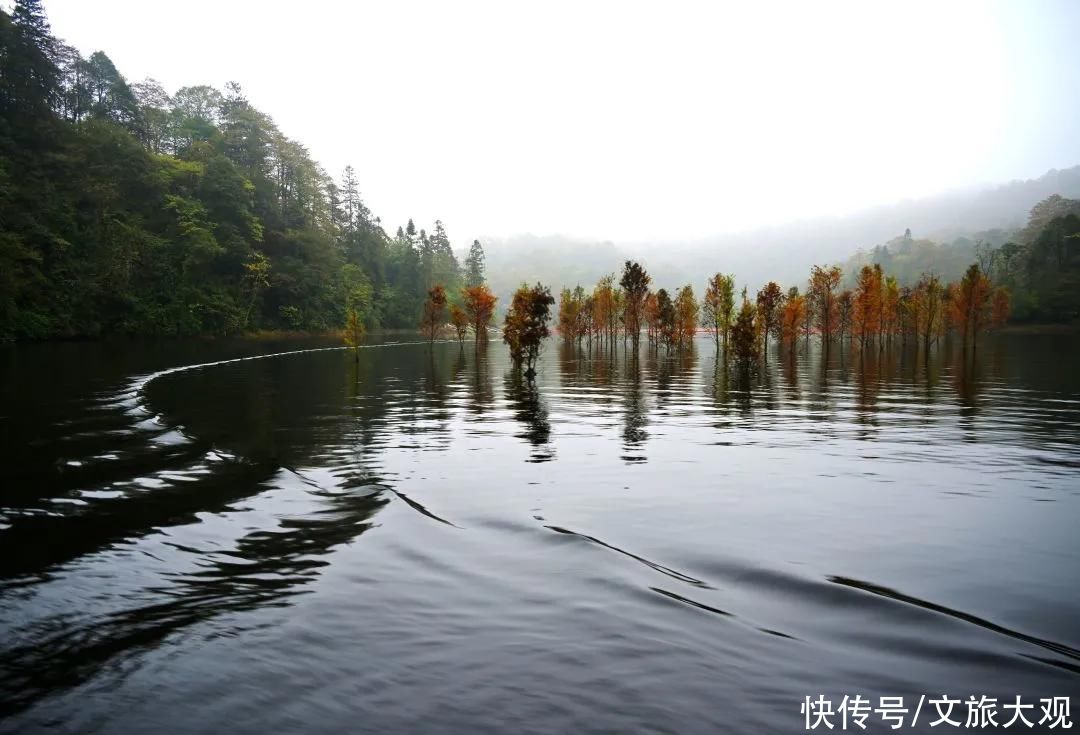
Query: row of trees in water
877	312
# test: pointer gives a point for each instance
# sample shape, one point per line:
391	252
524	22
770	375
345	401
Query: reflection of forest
820	385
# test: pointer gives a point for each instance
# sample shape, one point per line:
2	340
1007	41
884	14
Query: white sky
627	120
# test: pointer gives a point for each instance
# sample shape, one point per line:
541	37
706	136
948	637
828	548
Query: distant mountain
783	252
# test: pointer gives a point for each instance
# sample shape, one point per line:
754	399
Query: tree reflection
791	376
635	414
718	379
866	395
670	368
524	398
482	393
965	381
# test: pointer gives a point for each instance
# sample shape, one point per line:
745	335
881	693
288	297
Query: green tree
718	307
474	265
635	287
744	337
666	317
525	327
354	331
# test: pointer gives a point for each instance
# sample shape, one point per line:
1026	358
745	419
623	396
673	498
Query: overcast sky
623	120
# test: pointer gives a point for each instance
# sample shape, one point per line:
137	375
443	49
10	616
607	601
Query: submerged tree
791	317
770	300
867	310
822	293
845	311
686	317
526	325
354	331
606	301
651	316
460	320
970	304
479	305
928	296
635	285
718	307
434	316
744	337
665	310
573	307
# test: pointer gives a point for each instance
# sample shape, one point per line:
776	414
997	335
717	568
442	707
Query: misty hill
784	252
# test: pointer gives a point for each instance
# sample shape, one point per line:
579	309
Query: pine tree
474	265
350	198
29	74
635	284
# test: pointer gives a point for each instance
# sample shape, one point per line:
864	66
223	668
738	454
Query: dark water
418	541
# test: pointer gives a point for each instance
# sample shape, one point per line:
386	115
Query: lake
204	536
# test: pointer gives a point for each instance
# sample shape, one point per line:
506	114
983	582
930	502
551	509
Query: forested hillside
124	209
1038	264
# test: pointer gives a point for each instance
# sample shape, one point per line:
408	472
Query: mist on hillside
618	122
785	252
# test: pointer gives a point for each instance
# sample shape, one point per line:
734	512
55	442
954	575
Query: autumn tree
929	297
434	315
970	304
651	316
605	309
686	317
845	312
479	304
948	313
526	325
460	320
792	316
571	319
823	285
867	312
588	326
718	307
770	300
635	287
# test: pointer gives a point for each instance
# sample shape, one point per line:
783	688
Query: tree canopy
126	209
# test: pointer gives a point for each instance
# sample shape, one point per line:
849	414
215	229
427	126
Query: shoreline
276	334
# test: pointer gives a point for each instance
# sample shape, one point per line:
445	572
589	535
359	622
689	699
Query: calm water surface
416	540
